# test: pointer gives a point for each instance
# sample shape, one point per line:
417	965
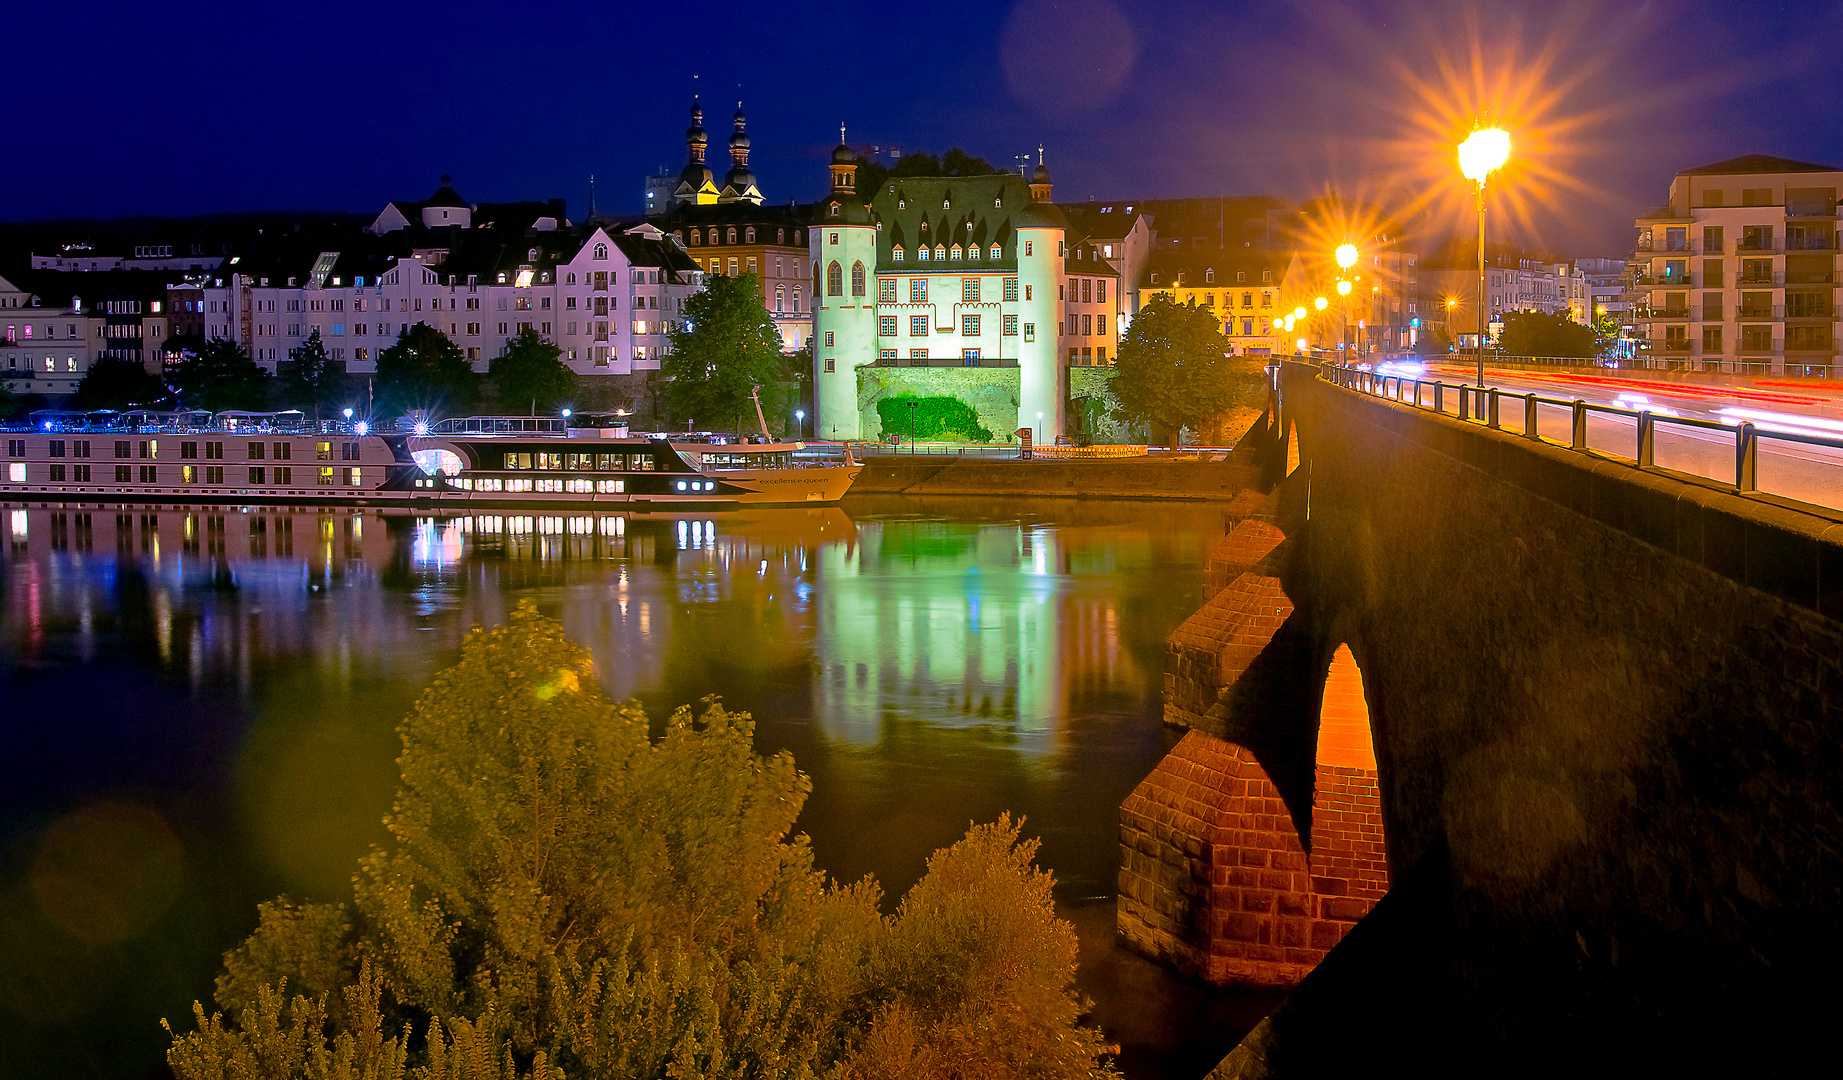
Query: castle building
965	273
729	230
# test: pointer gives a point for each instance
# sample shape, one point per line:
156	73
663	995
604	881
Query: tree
220	375
1607	329
1172	372
425	370
956	162
562	895
120	384
726	346
1538	333
315	379
531	370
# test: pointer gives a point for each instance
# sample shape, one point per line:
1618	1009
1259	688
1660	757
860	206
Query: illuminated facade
1738	272
959	272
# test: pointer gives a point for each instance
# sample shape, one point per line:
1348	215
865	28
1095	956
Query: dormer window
502	277
1266	276
780	236
531	256
956	251
697	237
940	251
922	254
995	251
834	209
749	236
896	253
997	201
1209	275
1240	276
1154	279
731	238
946	204
902	204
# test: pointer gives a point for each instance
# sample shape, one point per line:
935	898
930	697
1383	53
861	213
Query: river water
198	707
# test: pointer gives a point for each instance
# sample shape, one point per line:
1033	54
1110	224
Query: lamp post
1321	304
1346	258
1482	151
800	423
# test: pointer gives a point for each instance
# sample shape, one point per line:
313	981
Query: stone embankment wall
1219	877
1128	478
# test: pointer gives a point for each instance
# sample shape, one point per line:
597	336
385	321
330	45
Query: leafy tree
425	370
1607	328
220	375
531	370
1538	333
314	379
119	384
956	162
564	896
1172	372
727	345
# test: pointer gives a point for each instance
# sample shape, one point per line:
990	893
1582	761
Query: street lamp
1346	258
1484	150
800	417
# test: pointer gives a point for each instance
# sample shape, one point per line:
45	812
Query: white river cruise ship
241	457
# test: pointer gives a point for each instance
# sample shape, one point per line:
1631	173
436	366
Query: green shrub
945	419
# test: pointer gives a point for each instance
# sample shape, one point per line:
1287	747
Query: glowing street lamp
1343	288
1321	303
1299	313
1482	152
800	417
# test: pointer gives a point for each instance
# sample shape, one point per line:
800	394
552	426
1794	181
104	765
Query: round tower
1041	229
843	244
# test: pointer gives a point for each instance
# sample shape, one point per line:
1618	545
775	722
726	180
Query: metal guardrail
1484	405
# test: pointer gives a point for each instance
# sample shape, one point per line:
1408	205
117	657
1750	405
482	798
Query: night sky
121	109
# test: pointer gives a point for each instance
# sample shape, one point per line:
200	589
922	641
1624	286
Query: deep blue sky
181	109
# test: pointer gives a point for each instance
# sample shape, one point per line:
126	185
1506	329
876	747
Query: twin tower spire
697	184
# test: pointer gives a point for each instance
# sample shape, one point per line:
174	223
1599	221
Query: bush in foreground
563	896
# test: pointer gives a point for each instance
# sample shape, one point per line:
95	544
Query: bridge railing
1486	406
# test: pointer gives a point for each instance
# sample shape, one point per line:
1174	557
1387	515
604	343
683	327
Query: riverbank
1207	476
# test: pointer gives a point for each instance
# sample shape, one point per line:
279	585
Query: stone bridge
1566	729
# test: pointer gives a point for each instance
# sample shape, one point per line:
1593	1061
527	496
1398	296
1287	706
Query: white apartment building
608	296
1738	272
55	325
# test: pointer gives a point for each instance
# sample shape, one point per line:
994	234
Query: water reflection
239	671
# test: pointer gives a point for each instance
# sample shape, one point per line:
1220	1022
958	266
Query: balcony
1760	279
1758	246
1810	243
1759	313
1807	210
1808	277
1680	314
1674	345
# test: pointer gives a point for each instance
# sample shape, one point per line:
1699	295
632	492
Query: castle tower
739	185
1041	231
843	243
696	184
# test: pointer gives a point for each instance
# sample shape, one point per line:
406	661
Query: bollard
1746	458
1417	393
1580	424
1465	402
1439	396
1647	439
1529	417
1491	403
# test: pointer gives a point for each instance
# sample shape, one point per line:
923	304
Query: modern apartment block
1738	271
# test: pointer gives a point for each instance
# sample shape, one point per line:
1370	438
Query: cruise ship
487	461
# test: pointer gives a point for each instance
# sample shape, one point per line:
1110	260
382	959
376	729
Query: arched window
502	278
995	251
731	238
532	256
571	281
857	279
780	297
796	236
1209	274
601	251
835	280
780	236
697	237
748	236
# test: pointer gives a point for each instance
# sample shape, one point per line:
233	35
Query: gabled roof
1757	163
446	195
978	211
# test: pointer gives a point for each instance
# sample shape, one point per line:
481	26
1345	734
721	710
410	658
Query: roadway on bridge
1812	474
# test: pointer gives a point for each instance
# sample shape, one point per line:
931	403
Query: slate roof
979	210
1194	265
1757	163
